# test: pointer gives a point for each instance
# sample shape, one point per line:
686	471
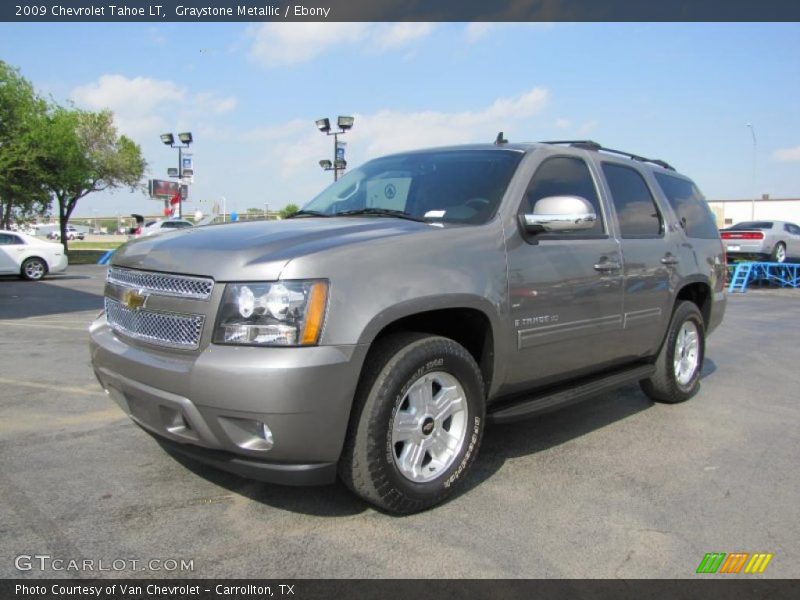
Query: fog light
248	434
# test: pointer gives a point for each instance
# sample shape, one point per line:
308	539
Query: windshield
458	186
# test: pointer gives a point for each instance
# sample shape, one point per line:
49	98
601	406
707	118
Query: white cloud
787	154
477	31
387	131
562	123
281	44
142	105
396	35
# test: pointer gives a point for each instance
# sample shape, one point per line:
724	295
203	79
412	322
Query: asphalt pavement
614	487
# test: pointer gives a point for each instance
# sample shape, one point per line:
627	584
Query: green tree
86	154
288	210
23	116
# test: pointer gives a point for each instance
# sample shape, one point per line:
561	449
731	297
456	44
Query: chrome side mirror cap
560	214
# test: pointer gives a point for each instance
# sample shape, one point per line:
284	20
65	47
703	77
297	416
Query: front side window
564	176
689	205
634	204
455	186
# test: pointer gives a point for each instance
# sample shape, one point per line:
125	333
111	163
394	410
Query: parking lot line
93	390
41	326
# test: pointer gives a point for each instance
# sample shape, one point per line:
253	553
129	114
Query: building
730	212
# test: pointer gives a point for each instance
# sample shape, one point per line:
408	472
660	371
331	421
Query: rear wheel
680	360
33	269
779	253
417	424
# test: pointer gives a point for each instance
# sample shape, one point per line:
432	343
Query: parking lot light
345	124
168	139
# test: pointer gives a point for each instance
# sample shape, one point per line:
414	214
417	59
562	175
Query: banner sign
160	188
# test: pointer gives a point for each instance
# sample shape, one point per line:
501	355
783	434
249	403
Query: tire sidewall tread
367	465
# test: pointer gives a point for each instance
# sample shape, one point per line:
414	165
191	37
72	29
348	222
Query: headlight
283	313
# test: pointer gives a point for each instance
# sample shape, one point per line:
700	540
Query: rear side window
564	176
9	239
636	209
689	205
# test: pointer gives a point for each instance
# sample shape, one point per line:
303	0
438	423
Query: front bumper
204	404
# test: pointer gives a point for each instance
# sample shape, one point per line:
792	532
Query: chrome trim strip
637	316
570	329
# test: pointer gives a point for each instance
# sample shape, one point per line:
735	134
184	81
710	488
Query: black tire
664	385
778	253
33	269
369	463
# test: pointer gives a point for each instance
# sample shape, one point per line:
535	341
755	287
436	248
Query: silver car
774	241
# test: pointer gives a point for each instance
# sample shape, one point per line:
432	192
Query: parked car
773	241
72	234
376	332
28	257
165	226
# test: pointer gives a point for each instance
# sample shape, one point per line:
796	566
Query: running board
529	406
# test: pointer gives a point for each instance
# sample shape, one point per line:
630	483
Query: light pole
755	190
339	163
186	141
224	208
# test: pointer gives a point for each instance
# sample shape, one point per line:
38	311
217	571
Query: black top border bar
399	10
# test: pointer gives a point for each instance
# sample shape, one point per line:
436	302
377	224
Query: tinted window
8	239
459	186
792	228
753	225
636	210
689	205
182	224
563	176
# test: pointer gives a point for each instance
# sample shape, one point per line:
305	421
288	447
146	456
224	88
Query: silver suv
375	333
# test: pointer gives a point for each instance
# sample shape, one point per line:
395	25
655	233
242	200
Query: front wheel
678	365
33	269
418	422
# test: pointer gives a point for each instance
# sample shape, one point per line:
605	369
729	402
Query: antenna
500	140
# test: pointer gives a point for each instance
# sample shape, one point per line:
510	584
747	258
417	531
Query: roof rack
595	147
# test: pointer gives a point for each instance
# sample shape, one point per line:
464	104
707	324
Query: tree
87	155
288	210
23	116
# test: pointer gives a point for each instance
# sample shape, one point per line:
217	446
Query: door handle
607	266
669	260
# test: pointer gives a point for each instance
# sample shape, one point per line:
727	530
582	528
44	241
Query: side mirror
559	214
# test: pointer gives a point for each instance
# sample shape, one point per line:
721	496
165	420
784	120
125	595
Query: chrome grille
163	284
166	329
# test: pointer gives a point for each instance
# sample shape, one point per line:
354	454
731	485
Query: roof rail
594	146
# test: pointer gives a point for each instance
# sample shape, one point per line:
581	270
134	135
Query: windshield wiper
308	213
381	212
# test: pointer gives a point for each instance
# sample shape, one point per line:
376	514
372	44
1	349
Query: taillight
742	235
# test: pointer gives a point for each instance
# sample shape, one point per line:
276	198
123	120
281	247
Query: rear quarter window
689	205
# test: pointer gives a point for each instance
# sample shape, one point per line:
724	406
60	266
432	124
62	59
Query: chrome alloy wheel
34	269
687	353
429	427
780	253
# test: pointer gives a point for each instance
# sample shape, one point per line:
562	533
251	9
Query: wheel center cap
427	426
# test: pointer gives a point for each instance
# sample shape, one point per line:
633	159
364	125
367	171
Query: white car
166	226
24	255
72	234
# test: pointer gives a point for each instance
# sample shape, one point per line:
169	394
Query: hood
257	250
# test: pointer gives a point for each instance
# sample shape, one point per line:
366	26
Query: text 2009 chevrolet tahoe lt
375	333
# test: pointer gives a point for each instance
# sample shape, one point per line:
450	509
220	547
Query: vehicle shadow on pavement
333	500
24	299
500	443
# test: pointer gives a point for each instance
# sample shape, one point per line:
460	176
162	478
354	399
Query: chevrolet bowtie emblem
134	299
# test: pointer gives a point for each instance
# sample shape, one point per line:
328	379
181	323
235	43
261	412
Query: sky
250	93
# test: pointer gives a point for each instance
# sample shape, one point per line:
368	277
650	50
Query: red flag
176	198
